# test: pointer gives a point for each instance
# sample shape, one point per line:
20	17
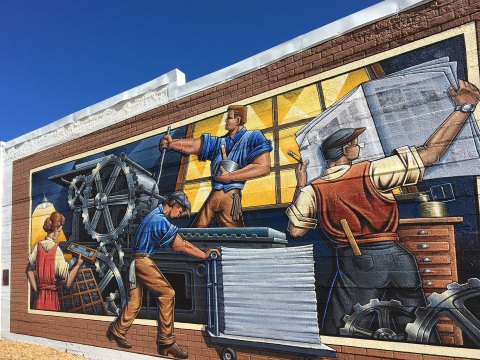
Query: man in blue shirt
249	149
154	233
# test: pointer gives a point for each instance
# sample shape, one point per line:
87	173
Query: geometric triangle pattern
334	89
260	115
298	104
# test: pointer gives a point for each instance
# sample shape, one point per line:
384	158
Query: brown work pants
219	203
149	275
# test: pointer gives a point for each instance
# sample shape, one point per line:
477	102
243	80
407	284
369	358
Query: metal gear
376	320
451	303
76	192
109	201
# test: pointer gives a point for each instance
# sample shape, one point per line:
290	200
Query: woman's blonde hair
53	222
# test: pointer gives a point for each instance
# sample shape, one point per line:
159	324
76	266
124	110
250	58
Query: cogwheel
76	192
376	320
452	303
109	201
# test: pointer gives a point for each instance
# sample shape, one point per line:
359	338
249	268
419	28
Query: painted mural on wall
362	187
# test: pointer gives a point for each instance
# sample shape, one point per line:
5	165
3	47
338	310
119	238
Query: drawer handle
422	232
423	246
425	260
427	283
427	271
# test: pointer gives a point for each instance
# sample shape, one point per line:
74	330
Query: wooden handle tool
295	156
350	237
224	152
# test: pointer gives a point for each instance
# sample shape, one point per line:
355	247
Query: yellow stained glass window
334	89
197	169
287	142
259	115
197	193
288	182
258	192
214	126
298	104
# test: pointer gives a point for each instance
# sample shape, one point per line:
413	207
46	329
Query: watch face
467	108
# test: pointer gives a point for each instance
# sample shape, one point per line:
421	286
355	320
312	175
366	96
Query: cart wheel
229	354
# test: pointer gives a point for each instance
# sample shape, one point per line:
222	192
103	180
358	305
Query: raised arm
186	146
442	138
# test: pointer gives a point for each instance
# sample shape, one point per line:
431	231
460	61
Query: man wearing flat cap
360	194
156	232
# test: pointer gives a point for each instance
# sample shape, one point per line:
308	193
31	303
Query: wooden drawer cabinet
432	242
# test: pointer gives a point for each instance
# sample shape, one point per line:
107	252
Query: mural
380	163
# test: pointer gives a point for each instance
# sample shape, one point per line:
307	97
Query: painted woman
49	263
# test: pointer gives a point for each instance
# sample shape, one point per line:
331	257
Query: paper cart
228	341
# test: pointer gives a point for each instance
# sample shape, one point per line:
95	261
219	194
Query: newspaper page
352	111
409	107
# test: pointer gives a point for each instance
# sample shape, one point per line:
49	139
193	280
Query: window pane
334	89
197	169
259	115
287	142
298	104
259	191
197	193
288	182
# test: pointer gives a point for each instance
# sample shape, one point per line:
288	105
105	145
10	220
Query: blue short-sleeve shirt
242	148
155	232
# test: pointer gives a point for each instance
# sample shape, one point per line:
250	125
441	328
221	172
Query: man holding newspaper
355	207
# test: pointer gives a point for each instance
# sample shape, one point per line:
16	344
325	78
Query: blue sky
57	57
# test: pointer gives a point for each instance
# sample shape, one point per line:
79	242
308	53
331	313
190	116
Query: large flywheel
109	199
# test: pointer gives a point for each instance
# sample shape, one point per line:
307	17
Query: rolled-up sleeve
209	147
167	234
302	212
258	144
61	266
404	168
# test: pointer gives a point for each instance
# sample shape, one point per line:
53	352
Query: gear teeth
374	302
395	303
358	308
434	299
344	332
347	318
474	282
453	285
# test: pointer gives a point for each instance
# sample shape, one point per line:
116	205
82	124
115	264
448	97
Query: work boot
122	342
174	350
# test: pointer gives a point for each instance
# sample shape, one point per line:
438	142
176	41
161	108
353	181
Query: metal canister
228	165
432	209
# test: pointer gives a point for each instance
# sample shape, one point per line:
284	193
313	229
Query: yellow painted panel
288	182
260	115
259	191
40	214
298	104
197	169
334	89
197	193
214	126
287	142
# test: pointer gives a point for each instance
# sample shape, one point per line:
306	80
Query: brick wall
389	33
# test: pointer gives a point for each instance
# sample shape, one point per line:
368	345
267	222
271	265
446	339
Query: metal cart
307	350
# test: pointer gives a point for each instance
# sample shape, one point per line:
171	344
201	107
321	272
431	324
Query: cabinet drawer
433	284
424	232
427	246
433	259
427	272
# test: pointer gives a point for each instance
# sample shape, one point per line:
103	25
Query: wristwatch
465	108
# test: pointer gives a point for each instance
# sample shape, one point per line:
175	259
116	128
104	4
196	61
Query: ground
15	350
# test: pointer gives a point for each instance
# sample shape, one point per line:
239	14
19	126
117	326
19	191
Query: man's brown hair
239	110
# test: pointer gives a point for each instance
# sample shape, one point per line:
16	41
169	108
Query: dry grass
14	350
